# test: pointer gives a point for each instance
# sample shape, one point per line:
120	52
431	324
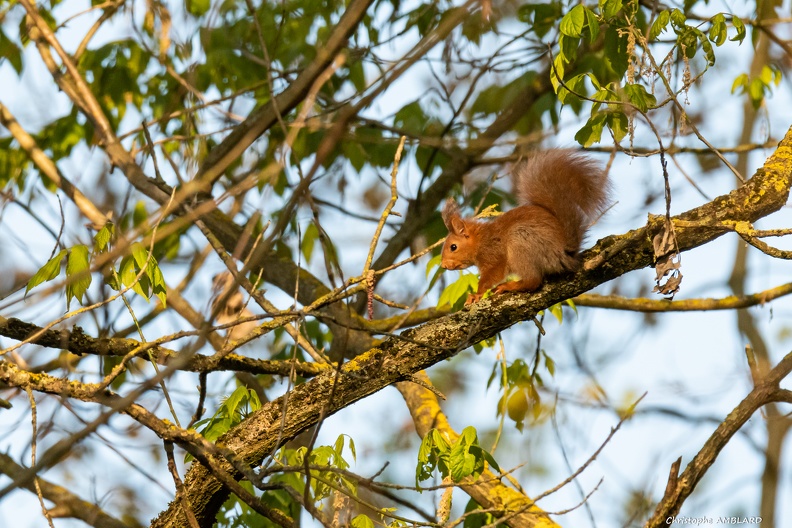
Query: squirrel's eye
453	247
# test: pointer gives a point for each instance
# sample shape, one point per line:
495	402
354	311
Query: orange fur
561	192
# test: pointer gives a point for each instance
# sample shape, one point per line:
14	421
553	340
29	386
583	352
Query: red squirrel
561	193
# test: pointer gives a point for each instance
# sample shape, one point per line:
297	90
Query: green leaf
678	18
234	401
77	273
592	22
309	239
10	51
549	364
567	47
128	272
458	290
489	459
687	39
424	17
707	47
339	449
238	405
476	520
594	81
756	90
517	373
618	124
439	441
610	8
488	101
411	118
659	25
616	50
423	470
357	75
362	521
572	23
139	254
740	27
717	32
639	97
769	76
545	16
255	404
473	27
158	286
558	71
571	304
198	7
741	81
425	449
777	74
139	214
557	312
355	154
592	131
433	263
462	461
48	271
103	237
434	448
352	448
151	282
573	88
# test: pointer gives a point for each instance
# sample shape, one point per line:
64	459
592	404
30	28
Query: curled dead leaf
667	262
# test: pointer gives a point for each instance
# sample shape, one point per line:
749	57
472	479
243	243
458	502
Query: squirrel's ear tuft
450	212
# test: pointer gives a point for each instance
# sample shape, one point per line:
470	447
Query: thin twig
33	444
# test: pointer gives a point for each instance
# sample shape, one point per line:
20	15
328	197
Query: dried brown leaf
667	261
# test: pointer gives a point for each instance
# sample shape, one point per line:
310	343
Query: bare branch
680	488
50	170
67	504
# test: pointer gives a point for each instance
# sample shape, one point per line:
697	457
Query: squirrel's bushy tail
569	184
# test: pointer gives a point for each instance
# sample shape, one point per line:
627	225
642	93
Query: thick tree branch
487	489
399	358
67	504
47	167
746	324
210	455
77	342
80	93
264	117
280	271
681	487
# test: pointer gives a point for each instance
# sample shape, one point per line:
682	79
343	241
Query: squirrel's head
459	249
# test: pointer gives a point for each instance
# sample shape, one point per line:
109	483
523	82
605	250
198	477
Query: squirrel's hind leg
522	285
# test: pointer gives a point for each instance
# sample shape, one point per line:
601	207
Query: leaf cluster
457	459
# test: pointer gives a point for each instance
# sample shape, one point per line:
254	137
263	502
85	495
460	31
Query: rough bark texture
679	489
66	503
519	511
78	342
398	358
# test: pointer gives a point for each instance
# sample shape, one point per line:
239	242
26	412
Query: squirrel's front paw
472	298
